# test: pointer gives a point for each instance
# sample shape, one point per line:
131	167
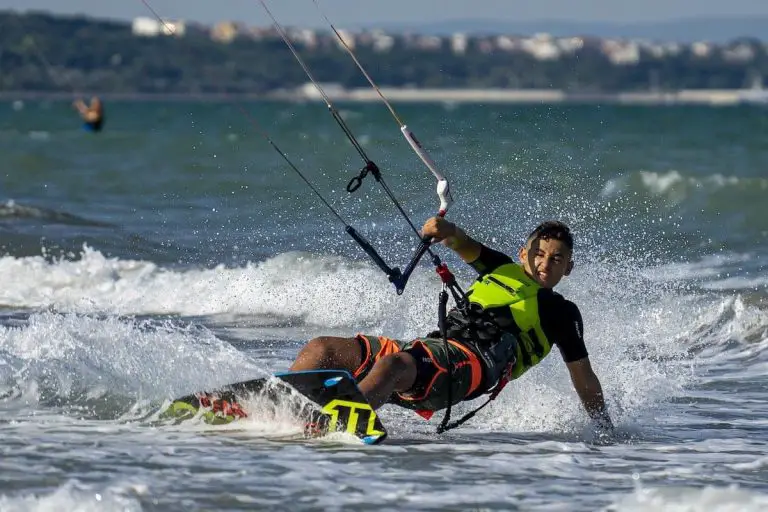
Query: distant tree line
46	54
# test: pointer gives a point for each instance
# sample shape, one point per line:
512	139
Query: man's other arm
588	387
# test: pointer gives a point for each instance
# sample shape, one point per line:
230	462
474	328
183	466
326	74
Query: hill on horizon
681	30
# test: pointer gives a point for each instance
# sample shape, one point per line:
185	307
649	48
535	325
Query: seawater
177	251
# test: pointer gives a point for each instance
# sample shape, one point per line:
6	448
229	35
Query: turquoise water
177	251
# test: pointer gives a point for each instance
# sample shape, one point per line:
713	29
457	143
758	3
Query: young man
512	321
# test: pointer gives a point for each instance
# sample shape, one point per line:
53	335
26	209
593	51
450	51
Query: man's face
546	261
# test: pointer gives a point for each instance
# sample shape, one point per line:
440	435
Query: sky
357	12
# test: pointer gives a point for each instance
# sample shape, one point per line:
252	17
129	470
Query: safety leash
447	425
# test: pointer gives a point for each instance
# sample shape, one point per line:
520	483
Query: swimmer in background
93	114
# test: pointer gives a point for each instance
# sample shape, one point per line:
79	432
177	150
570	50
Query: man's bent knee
402	368
319	348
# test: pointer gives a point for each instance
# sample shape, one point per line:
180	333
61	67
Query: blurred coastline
713	97
44	55
541	96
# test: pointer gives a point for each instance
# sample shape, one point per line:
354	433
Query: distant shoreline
714	97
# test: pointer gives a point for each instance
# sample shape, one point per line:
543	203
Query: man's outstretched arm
454	237
588	387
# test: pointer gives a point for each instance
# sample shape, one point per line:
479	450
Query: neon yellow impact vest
510	286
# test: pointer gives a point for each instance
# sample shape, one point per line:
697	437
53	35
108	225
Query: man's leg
390	374
392	371
429	390
329	353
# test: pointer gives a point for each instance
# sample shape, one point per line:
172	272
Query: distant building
151	27
304	36
145	27
348	38
459	43
739	53
506	43
621	53
225	31
174	28
701	49
431	43
570	45
484	45
382	42
261	33
655	50
673	48
542	47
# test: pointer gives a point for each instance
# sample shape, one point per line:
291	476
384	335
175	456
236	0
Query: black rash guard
560	318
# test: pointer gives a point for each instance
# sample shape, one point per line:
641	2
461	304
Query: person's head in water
547	253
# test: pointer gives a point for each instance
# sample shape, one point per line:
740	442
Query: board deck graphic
326	400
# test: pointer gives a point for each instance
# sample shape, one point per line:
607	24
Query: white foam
295	287
683	499
660	183
71	355
738	283
74	497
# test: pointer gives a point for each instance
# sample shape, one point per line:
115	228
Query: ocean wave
677	186
293	288
13	210
726	272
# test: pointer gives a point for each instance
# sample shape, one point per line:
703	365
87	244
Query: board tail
338	396
327	400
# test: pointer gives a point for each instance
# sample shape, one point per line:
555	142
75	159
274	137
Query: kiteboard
326	400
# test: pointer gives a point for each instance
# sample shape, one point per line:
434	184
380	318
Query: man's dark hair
552	230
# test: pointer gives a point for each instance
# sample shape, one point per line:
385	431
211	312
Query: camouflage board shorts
430	392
